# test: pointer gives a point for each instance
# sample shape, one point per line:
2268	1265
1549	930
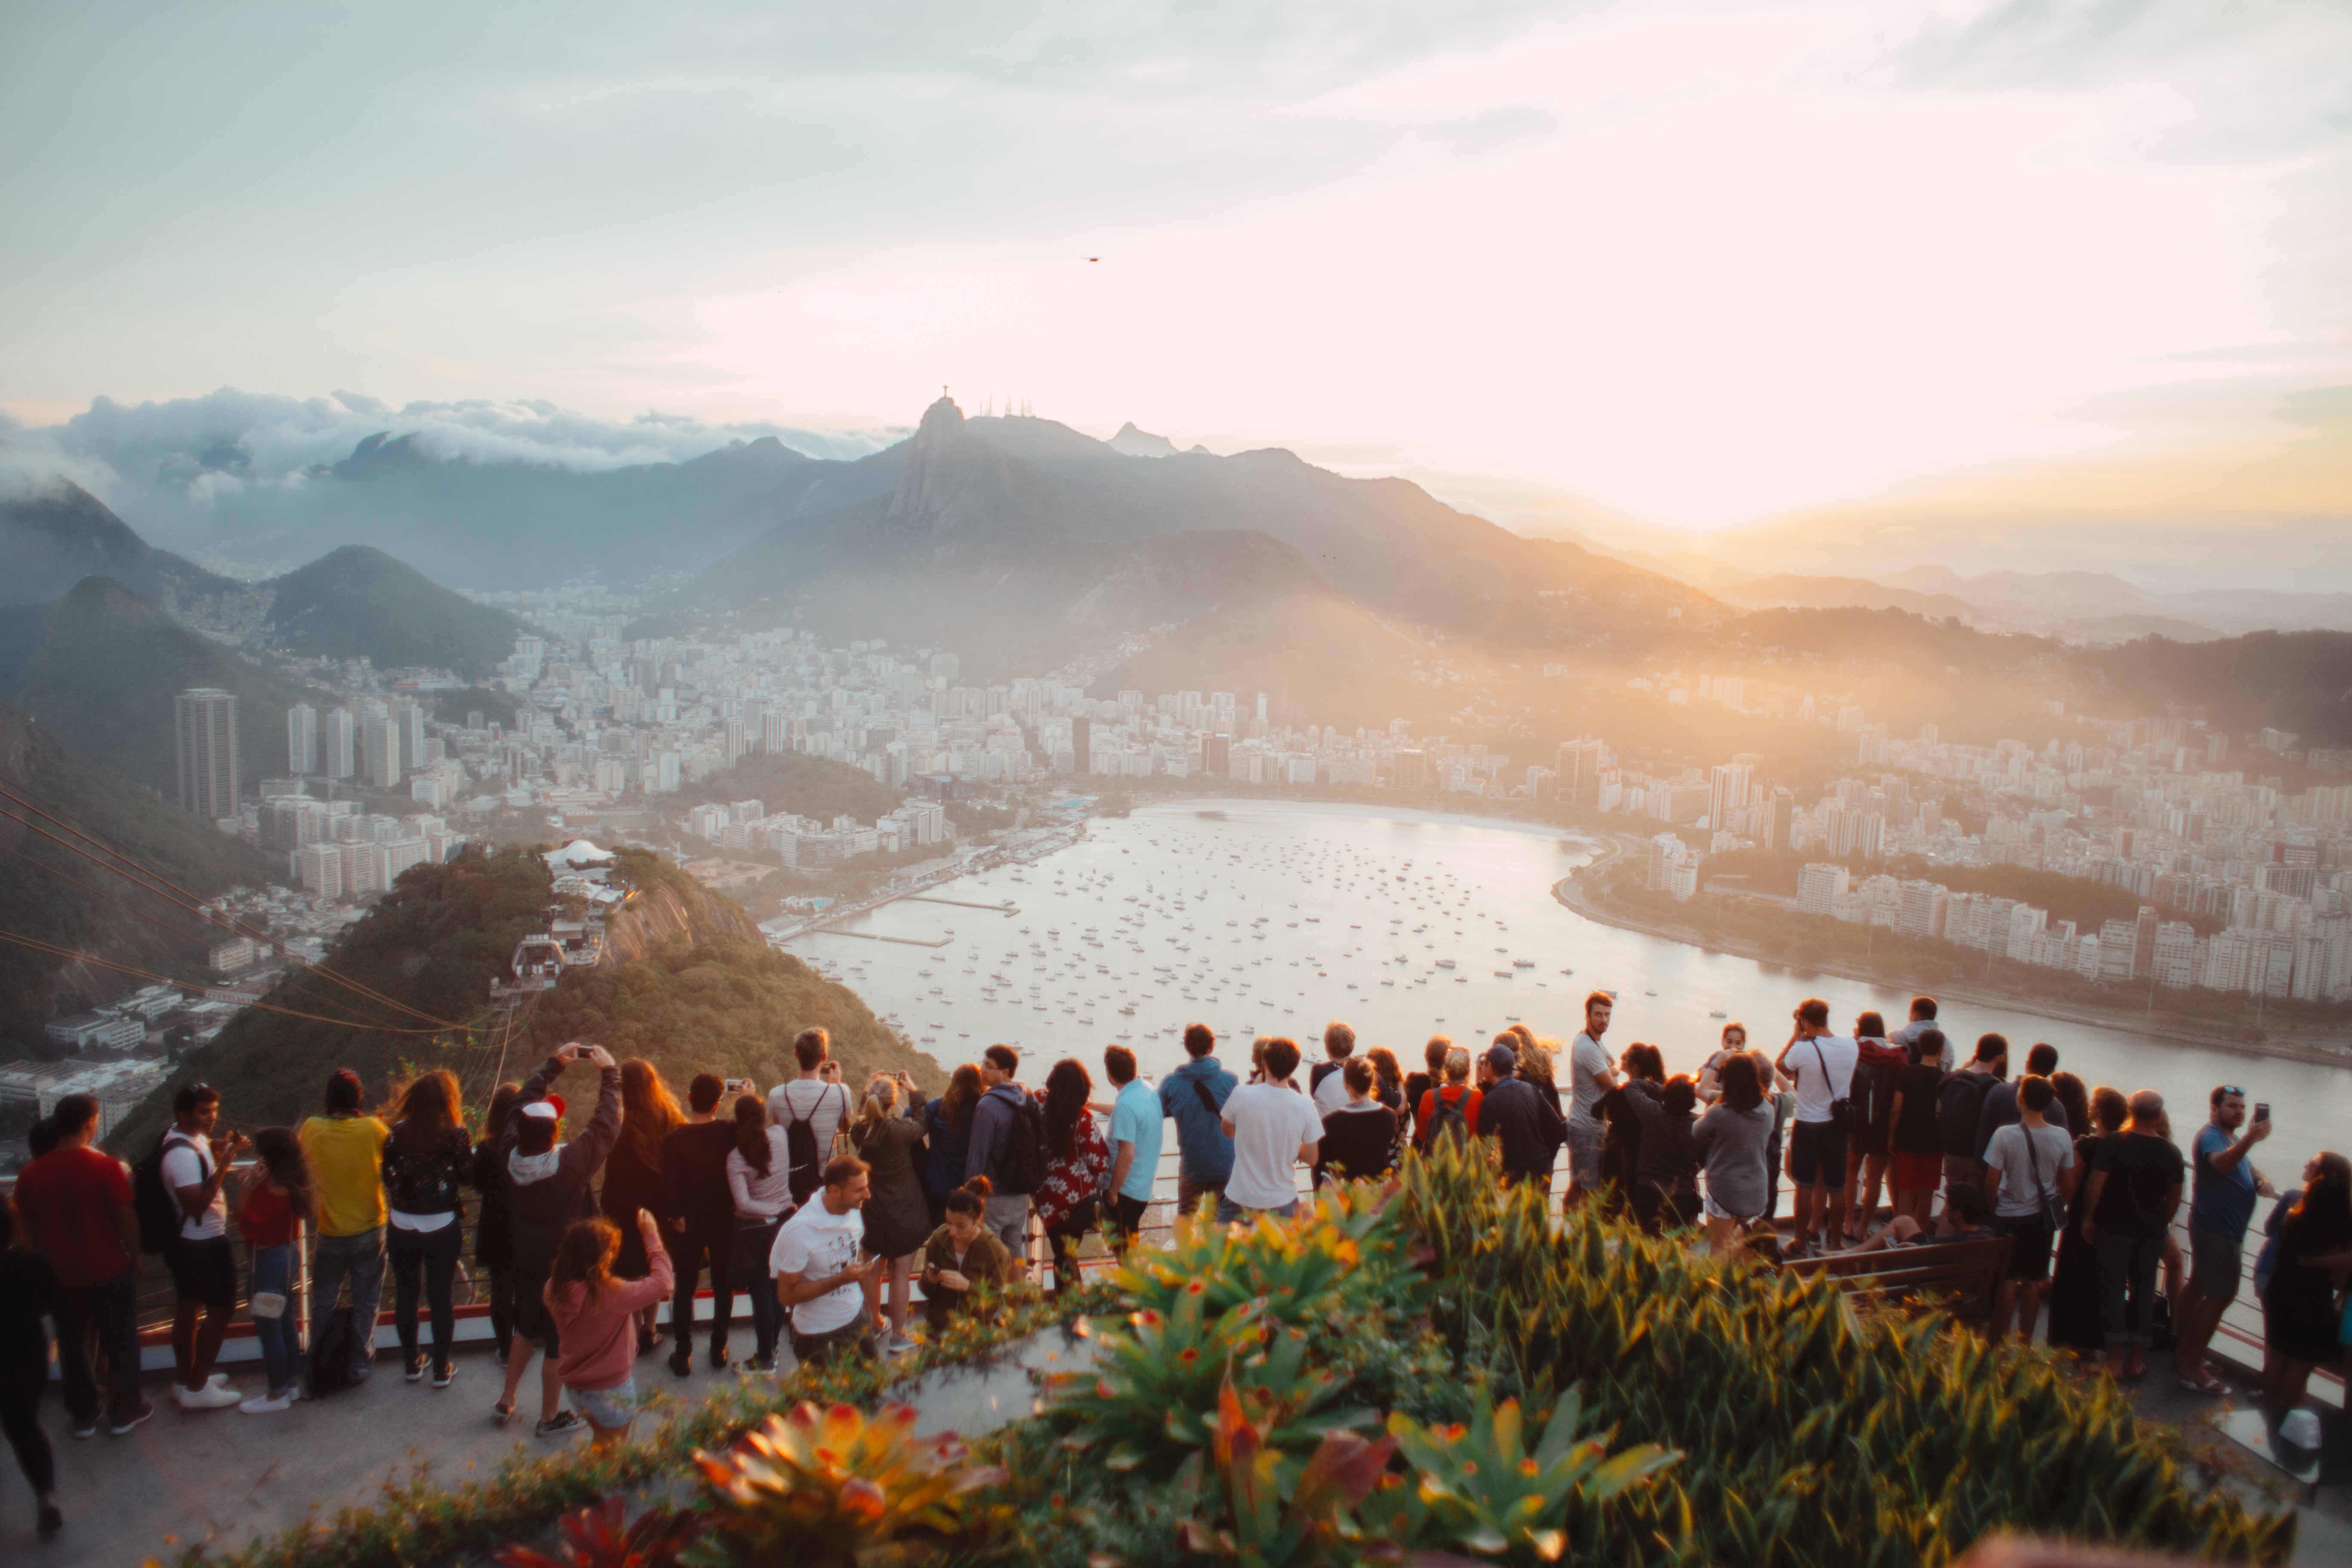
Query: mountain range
2083	607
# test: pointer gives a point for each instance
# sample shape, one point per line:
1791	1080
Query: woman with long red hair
632	1173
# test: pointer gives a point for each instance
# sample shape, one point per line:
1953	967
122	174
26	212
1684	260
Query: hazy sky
1862	282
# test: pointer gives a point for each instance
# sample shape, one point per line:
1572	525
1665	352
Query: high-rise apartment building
1577	770
301	740
337	749
205	726
1818	884
380	740
1726	794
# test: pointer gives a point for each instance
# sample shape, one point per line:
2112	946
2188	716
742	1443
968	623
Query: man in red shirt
76	1204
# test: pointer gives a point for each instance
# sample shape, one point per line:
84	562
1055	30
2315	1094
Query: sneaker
901	1344
718	1358
218	1378
121	1425
51	1521
211	1396
756	1366
443	1373
89	1431
681	1362
564	1422
415	1372
268	1403
502	1413
503	1354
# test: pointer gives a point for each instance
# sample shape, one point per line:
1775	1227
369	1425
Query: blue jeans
273	1271
359	1258
1229	1211
748	1252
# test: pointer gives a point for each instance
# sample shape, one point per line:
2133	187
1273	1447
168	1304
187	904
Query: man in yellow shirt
346	1151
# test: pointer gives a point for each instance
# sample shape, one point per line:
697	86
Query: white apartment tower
335	743
301	740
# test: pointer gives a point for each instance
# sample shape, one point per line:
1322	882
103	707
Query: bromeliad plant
600	1537
1476	1488
1343	1263
1150	1401
1272	1516
836	1487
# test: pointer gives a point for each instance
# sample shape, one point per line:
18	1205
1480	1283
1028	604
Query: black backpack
1020	1162
331	1352
1873	1093
1317	1074
1447	1121
158	1211
803	1164
1960	1100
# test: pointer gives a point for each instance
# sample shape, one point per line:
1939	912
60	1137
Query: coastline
1569	894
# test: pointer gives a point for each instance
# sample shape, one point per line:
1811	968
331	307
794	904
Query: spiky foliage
833	1487
1812	1434
603	1537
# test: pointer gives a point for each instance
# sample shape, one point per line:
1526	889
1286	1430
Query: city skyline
1854	287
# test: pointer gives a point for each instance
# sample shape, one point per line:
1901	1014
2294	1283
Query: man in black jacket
550	1185
1514	1111
694	1170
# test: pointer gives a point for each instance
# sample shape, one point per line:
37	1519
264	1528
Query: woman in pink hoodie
594	1314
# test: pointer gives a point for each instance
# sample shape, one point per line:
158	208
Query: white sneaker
218	1380
268	1404
211	1396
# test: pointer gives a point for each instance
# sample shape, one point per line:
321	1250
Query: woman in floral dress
1077	1163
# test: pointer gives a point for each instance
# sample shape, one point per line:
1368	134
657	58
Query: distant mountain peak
1137	443
925	482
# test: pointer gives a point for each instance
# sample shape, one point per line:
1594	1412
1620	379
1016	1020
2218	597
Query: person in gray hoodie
550	1185
994	1122
1732	1139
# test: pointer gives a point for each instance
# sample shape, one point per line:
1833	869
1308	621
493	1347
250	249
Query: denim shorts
606	1407
2216	1264
1584	1151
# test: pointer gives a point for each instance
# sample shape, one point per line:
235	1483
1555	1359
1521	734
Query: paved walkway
189	1475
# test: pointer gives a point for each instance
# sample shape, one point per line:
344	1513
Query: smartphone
2262	1111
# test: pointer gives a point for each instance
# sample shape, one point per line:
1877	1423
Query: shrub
1152	1398
1813	1434
834	1488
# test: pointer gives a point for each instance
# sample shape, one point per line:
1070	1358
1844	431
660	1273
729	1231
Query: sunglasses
2229	1089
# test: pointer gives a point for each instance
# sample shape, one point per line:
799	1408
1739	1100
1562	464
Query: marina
1258	918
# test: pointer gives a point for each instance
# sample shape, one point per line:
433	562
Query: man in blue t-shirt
1135	1128
2220	1206
1195	1095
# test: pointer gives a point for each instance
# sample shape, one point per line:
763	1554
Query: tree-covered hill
100	667
687	985
795	781
105	916
356	602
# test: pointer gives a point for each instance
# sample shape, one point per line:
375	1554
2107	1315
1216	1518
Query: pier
872	936
961	903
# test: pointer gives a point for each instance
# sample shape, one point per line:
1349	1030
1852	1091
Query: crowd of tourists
828	1205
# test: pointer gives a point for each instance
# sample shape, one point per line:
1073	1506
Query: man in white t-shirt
820	1267
1823	1065
203	1270
1329	1079
810	1098
1274	1129
1589	1075
2025	1163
